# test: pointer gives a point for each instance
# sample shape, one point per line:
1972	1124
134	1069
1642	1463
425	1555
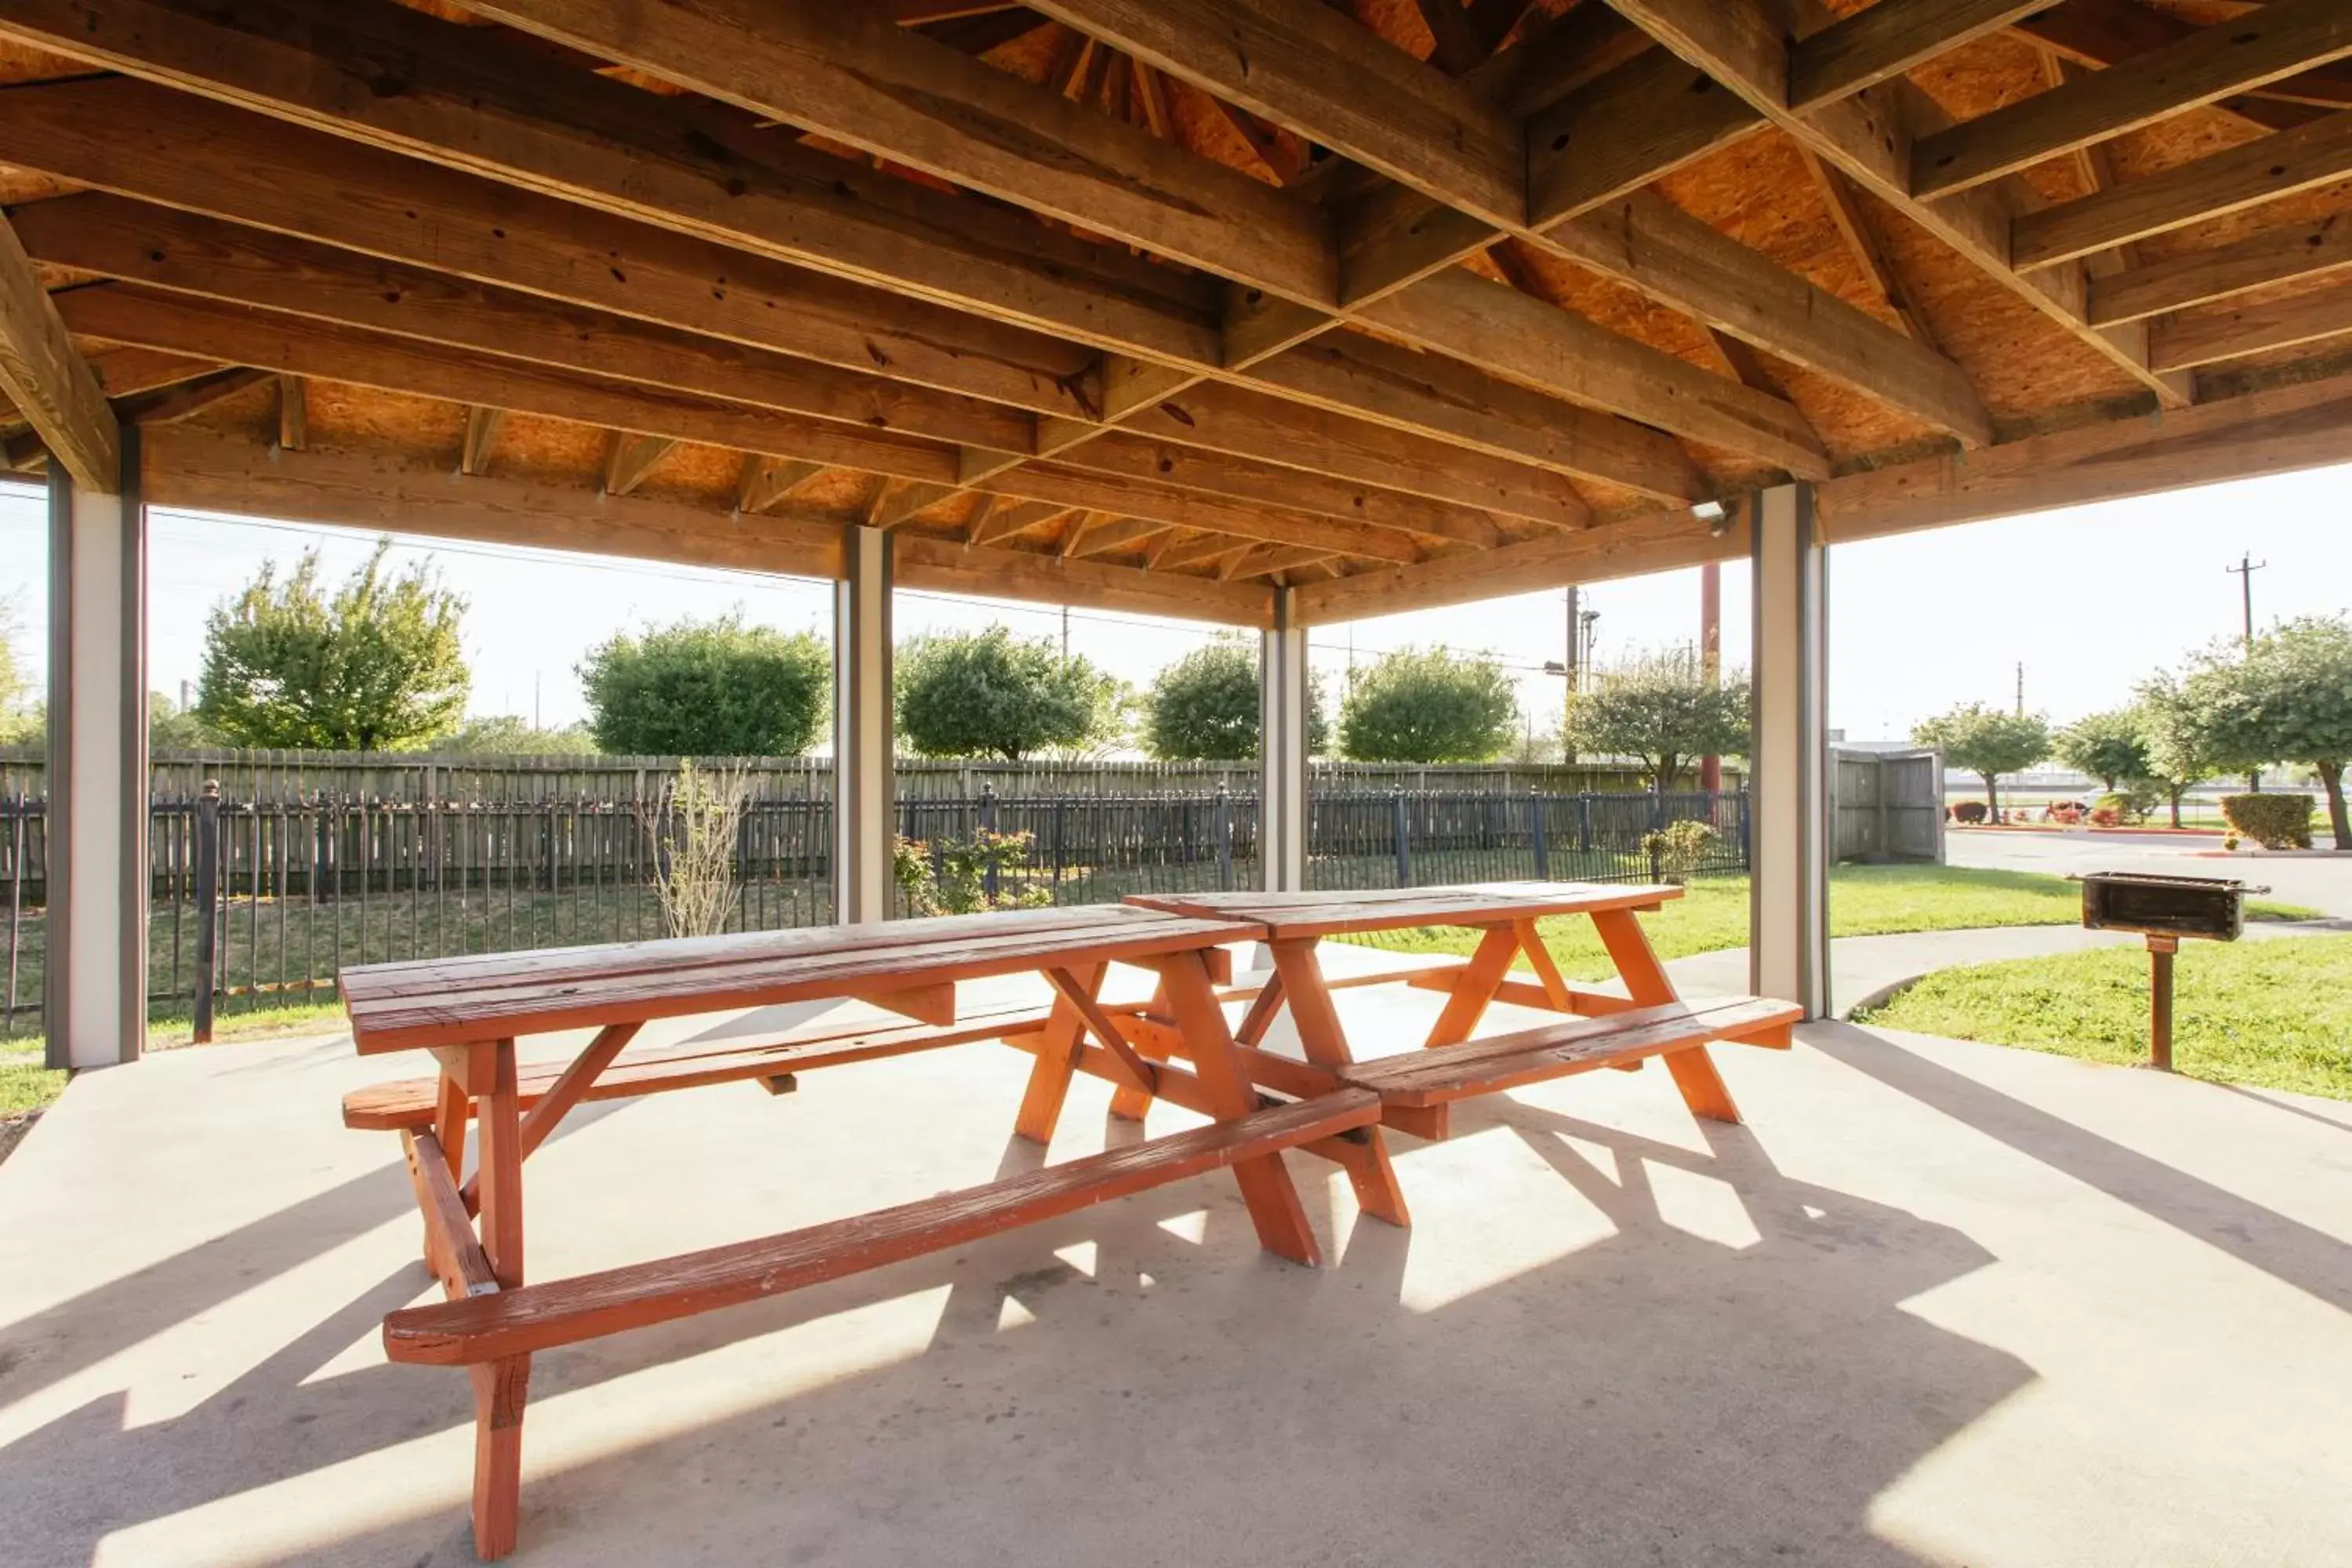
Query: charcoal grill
2163	910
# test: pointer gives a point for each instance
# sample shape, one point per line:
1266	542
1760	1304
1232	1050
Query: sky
2090	600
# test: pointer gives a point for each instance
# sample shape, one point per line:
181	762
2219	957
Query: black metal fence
259	904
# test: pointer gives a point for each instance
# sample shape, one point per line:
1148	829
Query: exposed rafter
47	380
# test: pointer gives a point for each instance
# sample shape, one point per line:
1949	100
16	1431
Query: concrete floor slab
1935	1303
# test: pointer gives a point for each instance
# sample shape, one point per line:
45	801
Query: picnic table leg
1703	1088
1128	1103
1299	977
450	1115
1265	1183
1056	1063
500	1388
1475	986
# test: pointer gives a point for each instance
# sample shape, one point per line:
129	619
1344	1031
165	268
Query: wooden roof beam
766	482
2219	183
1868	137
2245	52
629	457
1888	39
482	426
2200	277
2181	343
1116	535
293	413
2101	33
1001	519
231	164
190	398
48	381
840	71
699	170
1286	69
1322	74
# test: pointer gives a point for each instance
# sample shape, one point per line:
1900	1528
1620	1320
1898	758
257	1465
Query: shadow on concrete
37	1351
1643	1395
2286	1249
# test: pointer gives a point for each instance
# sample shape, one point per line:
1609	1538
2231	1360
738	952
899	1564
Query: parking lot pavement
2323	881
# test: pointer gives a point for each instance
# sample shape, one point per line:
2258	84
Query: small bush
2128	805
2275	821
1677	849
1971	811
952	877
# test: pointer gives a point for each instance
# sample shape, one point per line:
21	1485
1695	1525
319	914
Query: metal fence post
1584	823
1536	833
1224	841
988	826
1402	820
207	898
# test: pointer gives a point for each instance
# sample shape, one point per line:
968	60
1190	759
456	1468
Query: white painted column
96	995
1789	897
864	787
1281	713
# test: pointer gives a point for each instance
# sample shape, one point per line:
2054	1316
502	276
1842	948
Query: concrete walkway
1934	1303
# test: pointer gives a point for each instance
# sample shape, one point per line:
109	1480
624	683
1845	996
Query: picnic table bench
469	1012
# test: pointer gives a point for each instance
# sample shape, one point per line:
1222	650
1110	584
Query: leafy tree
1428	706
1205	707
177	728
1988	741
376	667
708	689
2286	699
2178	757
2111	747
1660	706
512	735
21	717
987	694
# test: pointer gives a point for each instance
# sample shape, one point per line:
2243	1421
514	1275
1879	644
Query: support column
95	1001
863	786
1788	773
1282	712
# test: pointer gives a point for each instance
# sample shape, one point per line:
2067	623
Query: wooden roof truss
1155	302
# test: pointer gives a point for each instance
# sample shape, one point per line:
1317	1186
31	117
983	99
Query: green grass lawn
1865	900
2272	1014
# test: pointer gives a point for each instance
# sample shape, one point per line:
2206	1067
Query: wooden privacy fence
260	904
290	777
1887	805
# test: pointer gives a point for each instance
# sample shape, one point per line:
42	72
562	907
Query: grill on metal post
2163	910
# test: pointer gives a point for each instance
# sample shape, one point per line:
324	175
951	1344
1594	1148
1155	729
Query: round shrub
2275	821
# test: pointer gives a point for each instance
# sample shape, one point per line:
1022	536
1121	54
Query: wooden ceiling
1163	303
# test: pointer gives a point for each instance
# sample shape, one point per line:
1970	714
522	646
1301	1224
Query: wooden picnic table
1624	1031
468	1013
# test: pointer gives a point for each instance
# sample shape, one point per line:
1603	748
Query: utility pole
1066	633
1710	657
2020	688
2244	571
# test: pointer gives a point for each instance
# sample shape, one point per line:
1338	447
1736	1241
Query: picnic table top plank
454	1001
1337	912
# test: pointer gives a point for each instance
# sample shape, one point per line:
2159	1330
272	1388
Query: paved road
2323	881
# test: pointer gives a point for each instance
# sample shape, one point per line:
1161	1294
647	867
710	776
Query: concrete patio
1937	1303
